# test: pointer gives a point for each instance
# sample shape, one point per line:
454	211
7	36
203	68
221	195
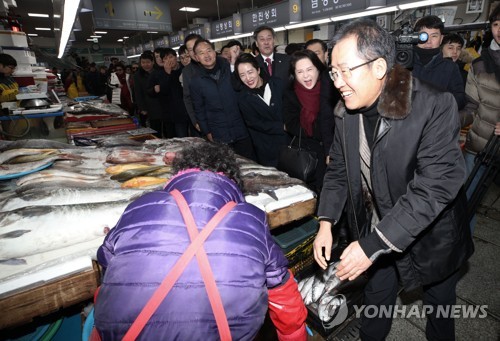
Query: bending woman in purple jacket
249	269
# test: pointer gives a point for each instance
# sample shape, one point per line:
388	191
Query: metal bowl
35	103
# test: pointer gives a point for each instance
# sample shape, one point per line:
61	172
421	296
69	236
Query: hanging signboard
161	42
130	51
148	46
196	30
222	28
272	15
320	9
141	15
175	40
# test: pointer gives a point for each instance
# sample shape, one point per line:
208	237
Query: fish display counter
58	201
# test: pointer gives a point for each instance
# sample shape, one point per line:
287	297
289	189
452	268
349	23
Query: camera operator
429	64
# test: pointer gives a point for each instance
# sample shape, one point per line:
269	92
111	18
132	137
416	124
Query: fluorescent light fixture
119	40
90	39
422	4
42	29
309	23
100	32
189	9
218	39
39	15
57	29
69	16
242	35
57	15
134	56
365	13
279	29
152	32
95	36
125	37
33	34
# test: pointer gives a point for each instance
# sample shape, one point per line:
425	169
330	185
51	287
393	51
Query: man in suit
271	64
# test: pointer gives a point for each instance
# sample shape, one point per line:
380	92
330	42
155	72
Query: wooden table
23	307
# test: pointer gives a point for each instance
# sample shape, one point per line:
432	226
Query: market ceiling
210	9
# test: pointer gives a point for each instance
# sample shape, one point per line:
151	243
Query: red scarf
309	99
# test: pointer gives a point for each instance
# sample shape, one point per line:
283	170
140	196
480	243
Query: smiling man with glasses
397	167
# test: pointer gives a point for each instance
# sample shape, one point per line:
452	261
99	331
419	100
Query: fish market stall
58	201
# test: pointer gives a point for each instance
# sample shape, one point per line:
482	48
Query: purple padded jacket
150	237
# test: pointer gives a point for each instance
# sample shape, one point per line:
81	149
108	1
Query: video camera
405	38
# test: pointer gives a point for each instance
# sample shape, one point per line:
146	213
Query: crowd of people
387	140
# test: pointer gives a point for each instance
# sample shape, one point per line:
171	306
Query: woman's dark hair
245	58
299	55
209	156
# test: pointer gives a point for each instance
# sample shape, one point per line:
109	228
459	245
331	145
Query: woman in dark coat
308	109
261	106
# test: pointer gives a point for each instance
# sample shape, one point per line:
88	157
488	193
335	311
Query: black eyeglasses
345	71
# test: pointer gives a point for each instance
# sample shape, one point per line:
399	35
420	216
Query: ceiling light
69	16
120	40
95	36
279	29
365	13
42	28
189	9
33	34
152	32
57	15
39	15
125	37
57	29
100	32
310	23
422	4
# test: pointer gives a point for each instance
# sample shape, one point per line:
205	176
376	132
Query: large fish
143	181
15	153
25	167
128	156
117	169
133	173
53	196
57	174
37	229
35	144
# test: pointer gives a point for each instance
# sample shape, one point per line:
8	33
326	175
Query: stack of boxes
16	45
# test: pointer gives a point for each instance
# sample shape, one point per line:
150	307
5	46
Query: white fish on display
36	229
57	173
13	153
55	196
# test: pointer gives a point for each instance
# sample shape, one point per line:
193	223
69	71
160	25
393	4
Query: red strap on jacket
196	247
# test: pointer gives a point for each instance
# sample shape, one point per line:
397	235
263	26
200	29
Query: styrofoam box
21	55
23	69
10	38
